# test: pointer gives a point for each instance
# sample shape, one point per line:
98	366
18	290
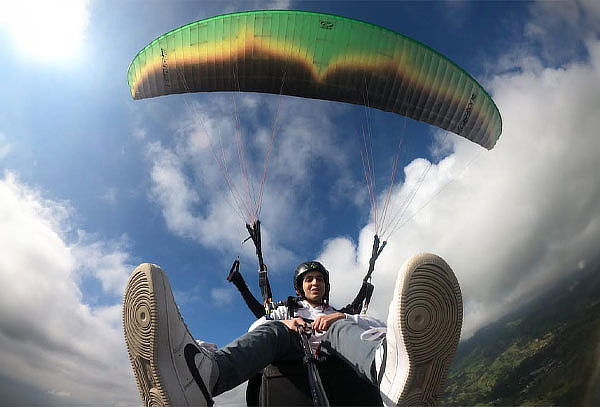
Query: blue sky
93	183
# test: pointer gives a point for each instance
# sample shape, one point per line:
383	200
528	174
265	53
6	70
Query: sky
93	183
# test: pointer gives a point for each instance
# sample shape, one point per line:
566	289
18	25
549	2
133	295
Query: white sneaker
170	368
423	329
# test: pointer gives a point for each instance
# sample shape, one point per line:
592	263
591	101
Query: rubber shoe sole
423	330
156	339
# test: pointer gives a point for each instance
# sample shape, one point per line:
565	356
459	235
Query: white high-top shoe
423	329
170	368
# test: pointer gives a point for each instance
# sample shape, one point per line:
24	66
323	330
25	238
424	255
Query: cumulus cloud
513	220
188	177
52	341
105	261
574	20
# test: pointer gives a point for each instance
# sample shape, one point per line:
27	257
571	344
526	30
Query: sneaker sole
140	313
426	320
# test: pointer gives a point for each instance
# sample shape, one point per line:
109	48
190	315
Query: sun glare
45	29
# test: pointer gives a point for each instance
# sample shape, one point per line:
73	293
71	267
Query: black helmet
304	268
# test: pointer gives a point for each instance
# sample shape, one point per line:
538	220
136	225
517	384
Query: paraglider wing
319	56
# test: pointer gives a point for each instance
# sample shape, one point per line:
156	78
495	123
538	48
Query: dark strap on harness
363	298
263	278
383	363
237	279
317	391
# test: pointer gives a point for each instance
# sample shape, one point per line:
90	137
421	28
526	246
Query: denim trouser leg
252	351
343	340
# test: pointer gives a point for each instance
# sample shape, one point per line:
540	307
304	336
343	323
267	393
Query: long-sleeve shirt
307	311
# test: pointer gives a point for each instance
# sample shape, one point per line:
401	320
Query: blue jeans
273	341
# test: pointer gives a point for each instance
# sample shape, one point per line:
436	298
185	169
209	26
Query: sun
45	29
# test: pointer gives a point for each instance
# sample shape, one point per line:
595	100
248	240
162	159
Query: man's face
313	285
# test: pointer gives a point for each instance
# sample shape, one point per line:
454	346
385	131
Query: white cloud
51	340
105	261
518	217
189	184
172	190
222	296
575	21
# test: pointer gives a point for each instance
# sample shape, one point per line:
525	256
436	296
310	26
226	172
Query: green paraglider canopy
319	56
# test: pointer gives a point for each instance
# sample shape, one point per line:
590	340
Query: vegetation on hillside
546	353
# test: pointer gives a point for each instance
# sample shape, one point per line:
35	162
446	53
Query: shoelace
373	334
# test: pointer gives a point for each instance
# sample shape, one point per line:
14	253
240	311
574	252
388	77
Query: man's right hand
293	324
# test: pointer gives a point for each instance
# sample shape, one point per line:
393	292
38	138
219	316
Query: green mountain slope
546	353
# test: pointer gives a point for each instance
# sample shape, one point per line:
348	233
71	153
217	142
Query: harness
359	304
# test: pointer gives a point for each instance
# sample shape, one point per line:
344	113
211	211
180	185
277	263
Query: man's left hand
323	322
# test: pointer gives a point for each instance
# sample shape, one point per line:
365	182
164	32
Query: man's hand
323	322
293	324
